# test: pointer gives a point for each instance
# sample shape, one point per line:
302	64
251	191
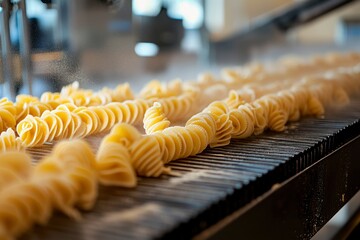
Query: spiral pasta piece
205	121
33	131
121	93
219	110
131	111
29	105
145	157
234	100
155	119
8	141
315	107
7	114
79	160
113	165
155	89
14	167
275	115
175	108
20	206
243	120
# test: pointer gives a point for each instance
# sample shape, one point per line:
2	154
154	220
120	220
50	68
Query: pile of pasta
144	132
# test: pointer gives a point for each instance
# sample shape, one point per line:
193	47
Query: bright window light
190	11
146	7
146	49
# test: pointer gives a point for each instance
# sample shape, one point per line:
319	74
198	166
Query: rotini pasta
243	121
79	160
8	141
154	89
175	108
14	167
7	114
113	165
29	105
155	119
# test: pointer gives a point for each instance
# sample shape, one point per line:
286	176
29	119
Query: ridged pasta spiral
113	165
62	192
274	114
155	119
29	105
33	131
145	153
72	93
243	120
113	157
155	89
7	114
62	123
145	157
234	100
205	121
22	205
224	128
14	167
131	111
9	141
80	164
176	107
121	93
179	142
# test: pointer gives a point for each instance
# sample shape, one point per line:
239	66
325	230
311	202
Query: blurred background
46	44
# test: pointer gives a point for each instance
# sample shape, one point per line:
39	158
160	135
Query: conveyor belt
213	184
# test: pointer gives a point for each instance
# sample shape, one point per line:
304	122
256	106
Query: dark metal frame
300	206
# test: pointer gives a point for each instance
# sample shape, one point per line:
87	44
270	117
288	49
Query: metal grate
213	184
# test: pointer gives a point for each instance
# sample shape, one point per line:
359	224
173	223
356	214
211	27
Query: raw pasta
9	141
7	114
155	119
114	166
14	167
64	179
144	151
29	105
155	90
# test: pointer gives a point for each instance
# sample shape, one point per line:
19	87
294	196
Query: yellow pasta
72	93
8	141
155	119
154	89
234	100
131	111
205	121
121	93
145	157
175	108
14	167
114	166
243	121
20	206
29	105
7	114
33	131
224	128
79	161
273	113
